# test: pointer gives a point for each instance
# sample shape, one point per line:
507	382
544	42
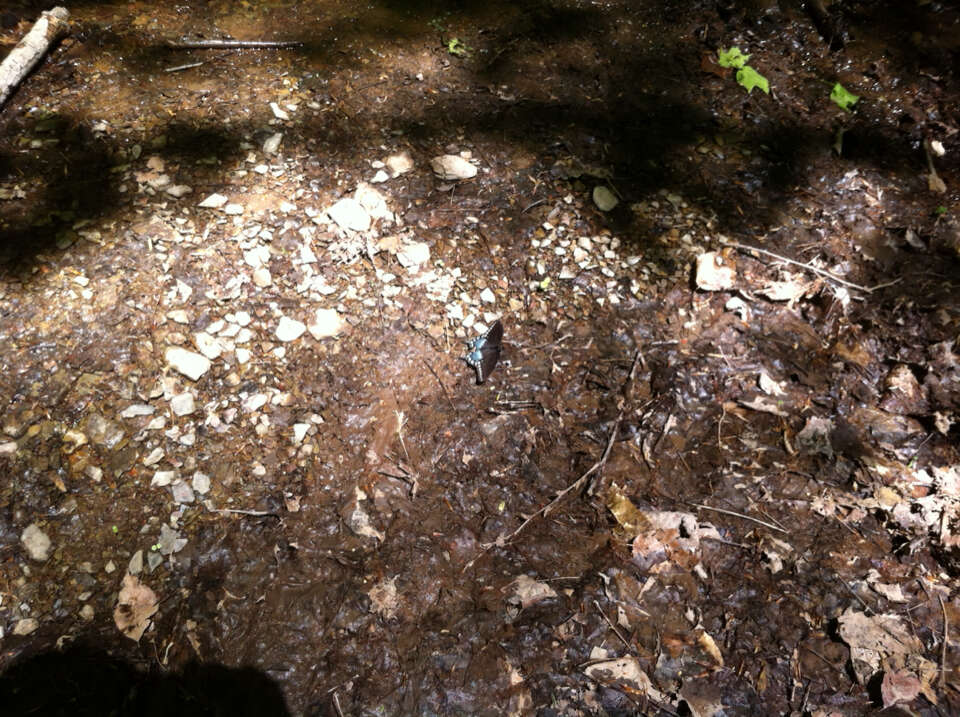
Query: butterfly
485	351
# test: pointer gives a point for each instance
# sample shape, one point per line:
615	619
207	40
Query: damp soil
732	470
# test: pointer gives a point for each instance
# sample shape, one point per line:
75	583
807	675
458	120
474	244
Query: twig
943	647
810	267
228	44
740	515
258	513
178	68
576	485
445	393
612	626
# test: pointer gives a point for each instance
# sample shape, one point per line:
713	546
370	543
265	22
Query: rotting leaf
529	591
625	672
136	604
899	687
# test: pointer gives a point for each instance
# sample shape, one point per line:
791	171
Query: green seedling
747	77
456	47
843	98
115	529
941	210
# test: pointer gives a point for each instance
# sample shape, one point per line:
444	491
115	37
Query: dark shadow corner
87	681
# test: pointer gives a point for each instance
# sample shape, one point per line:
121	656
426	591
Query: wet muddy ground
245	467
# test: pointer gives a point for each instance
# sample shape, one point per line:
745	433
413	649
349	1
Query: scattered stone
326	323
136	409
135	566
272	143
254	402
163	478
154	560
451	167
280	114
8	448
243	356
94	473
715	272
201	483
25	626
214	201
233	210
487	296
183	404
182	492
289	329
604	198
154	457
413	254
170	541
178	190
86	612
207	345
101	431
299	431
373	202
36	543
242	318
349	214
262	278
190	364
398	164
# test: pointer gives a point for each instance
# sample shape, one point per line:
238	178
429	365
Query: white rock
137	409
257	257
243	356
8	448
36	542
179	316
272	143
183	404
289	329
156	455
299	431
379	177
262	277
373	202
25	626
182	493
233	209
604	198
190	364
254	402
178	190
163	478
348	213
201	483
207	345
214	201
399	164
326	323
488	296
714	272
414	254
450	166
279	113
242	318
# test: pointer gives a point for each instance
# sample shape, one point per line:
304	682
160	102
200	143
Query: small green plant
115	529
456	47
843	98
747	77
941	210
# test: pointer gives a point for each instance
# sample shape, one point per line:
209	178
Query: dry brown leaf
136	604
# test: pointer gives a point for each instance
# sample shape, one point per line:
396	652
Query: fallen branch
228	44
809	267
49	27
578	483
740	515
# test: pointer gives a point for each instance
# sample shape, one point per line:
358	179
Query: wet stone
36	543
102	431
451	167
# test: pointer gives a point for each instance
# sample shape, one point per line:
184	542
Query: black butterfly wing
489	355
494	335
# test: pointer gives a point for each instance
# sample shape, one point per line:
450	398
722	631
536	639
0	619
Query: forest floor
245	466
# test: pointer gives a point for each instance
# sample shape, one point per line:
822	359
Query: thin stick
449	400
943	647
612	626
178	68
739	515
810	267
228	44
576	485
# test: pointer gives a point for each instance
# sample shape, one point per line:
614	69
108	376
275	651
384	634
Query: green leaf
456	47
732	58
843	98
750	78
